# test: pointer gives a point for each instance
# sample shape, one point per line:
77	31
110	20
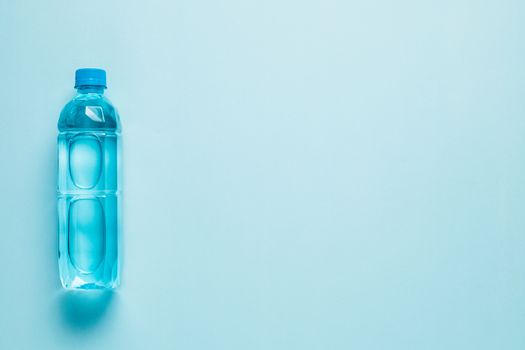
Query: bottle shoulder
89	111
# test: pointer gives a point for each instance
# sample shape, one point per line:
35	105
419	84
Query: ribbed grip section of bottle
89	208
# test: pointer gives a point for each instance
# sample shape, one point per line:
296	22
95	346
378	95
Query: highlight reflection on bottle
88	186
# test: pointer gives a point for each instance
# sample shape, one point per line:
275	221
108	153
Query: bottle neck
90	89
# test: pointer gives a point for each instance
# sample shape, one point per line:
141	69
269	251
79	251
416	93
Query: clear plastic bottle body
89	191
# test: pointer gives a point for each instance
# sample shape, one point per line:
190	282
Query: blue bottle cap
90	76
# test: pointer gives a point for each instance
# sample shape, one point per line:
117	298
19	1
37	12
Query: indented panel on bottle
86	234
85	160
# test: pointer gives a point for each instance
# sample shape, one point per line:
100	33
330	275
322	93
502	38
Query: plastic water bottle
88	186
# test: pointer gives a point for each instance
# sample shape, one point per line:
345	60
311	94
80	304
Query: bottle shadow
84	310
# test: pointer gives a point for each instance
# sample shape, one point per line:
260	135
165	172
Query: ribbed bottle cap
90	76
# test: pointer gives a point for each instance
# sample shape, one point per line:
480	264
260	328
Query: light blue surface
298	174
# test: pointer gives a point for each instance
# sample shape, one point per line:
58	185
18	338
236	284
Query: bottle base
79	284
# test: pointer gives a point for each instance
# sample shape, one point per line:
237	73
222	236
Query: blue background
298	174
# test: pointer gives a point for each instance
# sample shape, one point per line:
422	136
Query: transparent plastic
89	191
